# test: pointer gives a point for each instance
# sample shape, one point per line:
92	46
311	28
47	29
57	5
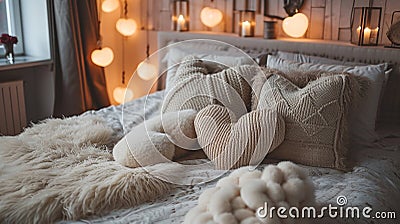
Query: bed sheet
374	180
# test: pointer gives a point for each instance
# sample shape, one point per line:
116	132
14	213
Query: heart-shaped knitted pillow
245	142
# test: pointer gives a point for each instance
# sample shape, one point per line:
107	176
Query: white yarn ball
275	192
206	195
225	218
272	173
291	170
243	180
254	193
238	203
243	213
295	191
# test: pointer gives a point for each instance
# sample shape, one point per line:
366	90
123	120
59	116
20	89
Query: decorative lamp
365	25
247	23
109	5
125	26
211	17
295	26
102	57
180	15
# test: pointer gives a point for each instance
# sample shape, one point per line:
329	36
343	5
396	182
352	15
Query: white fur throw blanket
61	169
236	198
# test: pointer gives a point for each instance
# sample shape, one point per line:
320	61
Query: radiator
12	108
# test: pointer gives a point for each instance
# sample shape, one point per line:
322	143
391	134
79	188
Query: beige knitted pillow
195	88
245	142
315	118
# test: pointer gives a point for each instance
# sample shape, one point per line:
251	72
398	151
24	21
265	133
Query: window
10	22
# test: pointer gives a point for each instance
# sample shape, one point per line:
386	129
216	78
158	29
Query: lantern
365	26
247	23
180	15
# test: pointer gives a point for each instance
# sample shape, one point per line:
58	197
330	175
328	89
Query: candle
374	35
246	28
367	35
181	23
358	32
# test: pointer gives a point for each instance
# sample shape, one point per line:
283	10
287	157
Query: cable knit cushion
237	197
315	118
362	118
195	88
231	144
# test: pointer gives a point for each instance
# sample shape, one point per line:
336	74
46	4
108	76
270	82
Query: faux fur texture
236	198
154	141
61	169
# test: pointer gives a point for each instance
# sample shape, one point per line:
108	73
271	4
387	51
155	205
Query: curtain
80	84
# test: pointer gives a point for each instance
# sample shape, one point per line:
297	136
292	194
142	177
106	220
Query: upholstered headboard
389	111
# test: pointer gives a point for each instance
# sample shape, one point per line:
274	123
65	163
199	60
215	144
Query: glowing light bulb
126	27
102	57
146	70
109	5
296	25
122	94
211	16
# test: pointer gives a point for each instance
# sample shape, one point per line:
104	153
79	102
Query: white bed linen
374	181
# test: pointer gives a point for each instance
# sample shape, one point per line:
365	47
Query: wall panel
329	19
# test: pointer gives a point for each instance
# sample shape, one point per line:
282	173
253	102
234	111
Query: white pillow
363	117
321	60
313	59
223	58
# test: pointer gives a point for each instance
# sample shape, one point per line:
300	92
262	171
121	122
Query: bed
373	181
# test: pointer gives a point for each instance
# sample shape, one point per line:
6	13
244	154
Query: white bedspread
374	181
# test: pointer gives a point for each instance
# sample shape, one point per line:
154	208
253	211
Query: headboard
389	111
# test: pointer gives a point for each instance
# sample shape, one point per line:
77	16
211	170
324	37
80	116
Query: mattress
374	180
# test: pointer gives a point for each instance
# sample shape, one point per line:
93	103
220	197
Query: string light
109	5
122	93
102	57
126	26
146	70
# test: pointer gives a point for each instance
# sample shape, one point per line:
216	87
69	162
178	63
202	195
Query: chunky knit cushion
315	118
157	139
195	89
236	198
246	142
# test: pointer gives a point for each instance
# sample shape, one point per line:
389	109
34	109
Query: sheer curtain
80	84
